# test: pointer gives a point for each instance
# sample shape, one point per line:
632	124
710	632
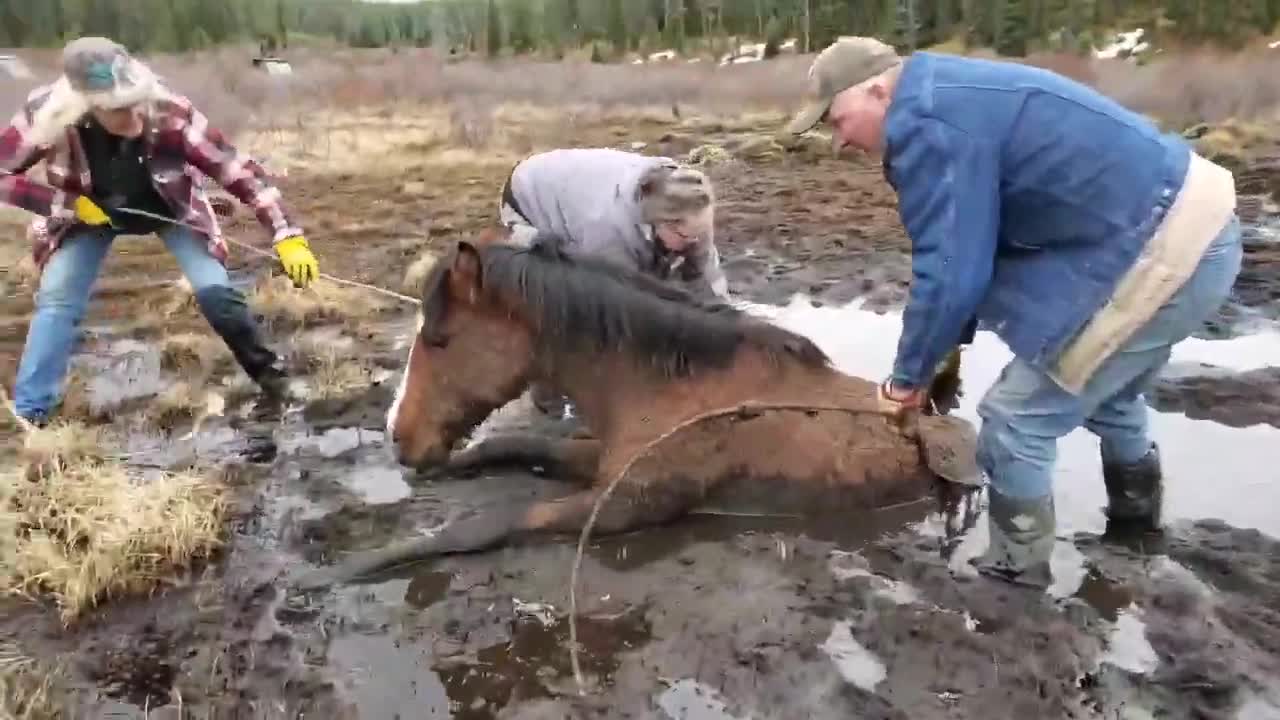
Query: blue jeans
65	286
1025	412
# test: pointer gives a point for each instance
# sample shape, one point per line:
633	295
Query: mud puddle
738	617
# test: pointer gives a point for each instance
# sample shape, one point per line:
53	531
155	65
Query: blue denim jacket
1026	196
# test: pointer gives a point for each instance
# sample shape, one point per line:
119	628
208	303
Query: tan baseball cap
843	64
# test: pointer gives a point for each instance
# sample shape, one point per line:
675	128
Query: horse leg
493	527
568	458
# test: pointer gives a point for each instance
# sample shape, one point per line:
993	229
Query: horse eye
437	340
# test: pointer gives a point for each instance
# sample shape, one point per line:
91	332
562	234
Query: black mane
588	305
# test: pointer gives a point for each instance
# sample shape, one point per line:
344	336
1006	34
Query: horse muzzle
421	458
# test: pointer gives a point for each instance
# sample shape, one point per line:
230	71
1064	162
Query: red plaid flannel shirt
182	151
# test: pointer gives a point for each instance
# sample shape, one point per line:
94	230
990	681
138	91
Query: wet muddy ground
715	617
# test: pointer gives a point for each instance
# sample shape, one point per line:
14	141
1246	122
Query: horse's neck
616	398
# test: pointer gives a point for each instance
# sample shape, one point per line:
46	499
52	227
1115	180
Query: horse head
470	356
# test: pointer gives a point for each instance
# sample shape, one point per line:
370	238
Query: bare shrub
1179	86
1077	67
471	124
1197	86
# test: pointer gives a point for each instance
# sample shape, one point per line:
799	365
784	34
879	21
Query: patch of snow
1127	646
692	700
854	662
1124	44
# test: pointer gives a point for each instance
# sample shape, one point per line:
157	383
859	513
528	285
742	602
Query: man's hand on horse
898	402
299	264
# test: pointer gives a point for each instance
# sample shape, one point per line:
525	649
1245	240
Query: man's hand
898	402
299	264
88	212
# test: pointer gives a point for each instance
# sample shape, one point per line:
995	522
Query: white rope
575	572
263	253
332	278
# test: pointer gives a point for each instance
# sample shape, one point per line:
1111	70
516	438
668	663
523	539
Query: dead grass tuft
417	272
177	297
79	527
63	443
29	690
706	155
1232	141
336	376
335	368
78	403
180	403
195	354
17	266
286	308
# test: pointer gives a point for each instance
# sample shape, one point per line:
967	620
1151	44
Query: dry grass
29	690
195	355
16	265
78	527
78	402
336	376
286	308
710	154
182	402
335	368
176	297
1234	140
417	272
475	104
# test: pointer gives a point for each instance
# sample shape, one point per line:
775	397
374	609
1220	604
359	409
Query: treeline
614	27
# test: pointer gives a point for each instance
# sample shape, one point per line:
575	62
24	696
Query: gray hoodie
587	198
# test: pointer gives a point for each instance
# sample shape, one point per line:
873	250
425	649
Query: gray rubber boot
1022	536
1135	493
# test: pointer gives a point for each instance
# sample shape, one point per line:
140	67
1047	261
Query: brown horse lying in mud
761	413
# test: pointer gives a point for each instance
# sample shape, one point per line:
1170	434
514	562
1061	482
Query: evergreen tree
617	27
1014	28
493	30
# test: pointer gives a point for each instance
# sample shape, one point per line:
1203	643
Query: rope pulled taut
263	253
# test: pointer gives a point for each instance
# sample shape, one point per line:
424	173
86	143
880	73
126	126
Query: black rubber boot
1135	493
1021	543
228	314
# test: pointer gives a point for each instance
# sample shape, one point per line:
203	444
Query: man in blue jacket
1071	227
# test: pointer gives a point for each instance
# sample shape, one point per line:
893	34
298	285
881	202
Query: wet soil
714	616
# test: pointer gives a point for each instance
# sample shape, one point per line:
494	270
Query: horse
690	400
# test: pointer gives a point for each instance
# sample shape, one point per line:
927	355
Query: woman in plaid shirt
112	136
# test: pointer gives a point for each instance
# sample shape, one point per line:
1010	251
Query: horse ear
465	274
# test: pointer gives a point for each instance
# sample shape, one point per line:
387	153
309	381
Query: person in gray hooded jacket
649	214
645	213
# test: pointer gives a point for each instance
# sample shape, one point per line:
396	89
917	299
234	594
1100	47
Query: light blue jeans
1025	412
60	303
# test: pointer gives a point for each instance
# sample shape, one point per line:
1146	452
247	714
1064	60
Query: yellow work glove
299	264
88	212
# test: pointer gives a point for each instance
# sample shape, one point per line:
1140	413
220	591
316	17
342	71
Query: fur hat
96	73
672	192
